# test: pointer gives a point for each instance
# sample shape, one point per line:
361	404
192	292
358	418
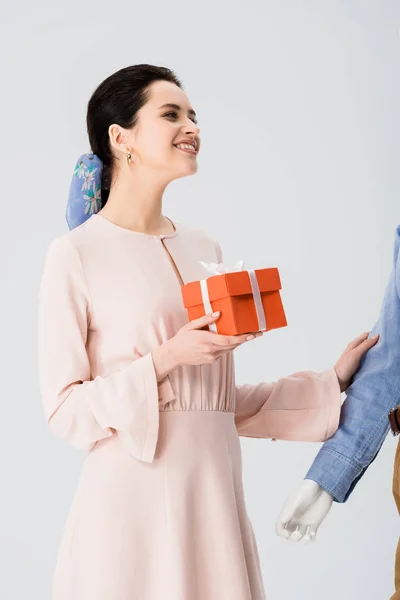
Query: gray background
298	109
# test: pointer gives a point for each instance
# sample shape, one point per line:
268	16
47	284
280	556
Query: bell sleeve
303	407
79	409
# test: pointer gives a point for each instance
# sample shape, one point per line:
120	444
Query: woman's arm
78	409
304	406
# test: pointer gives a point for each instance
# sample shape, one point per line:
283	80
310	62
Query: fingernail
216	314
250	337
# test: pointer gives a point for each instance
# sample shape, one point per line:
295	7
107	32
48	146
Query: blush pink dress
159	510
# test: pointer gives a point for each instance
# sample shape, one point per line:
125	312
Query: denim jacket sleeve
364	424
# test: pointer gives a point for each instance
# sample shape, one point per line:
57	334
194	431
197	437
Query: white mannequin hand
304	512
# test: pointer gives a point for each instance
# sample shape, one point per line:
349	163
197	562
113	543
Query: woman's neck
137	206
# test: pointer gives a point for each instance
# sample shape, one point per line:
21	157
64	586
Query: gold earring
128	157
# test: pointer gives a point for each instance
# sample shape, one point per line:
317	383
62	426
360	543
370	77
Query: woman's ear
121	142
118	139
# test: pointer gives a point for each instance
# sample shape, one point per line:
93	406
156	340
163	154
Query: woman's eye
175	116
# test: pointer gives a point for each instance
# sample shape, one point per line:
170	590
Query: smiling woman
159	513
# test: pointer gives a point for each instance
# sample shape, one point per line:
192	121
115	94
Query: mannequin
364	424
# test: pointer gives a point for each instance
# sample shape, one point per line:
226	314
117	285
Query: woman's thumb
202	321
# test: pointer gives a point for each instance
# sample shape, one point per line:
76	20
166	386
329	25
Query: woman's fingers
220	350
232	341
363	346
358	340
367	344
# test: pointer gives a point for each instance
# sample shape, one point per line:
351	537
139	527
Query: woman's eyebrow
177	107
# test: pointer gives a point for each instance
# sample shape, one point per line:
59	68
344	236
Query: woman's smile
186	148
188	145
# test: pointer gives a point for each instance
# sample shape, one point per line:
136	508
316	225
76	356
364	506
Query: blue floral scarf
85	191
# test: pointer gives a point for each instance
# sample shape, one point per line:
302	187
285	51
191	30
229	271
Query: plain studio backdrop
298	104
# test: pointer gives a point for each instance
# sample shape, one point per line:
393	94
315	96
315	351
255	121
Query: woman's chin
189	170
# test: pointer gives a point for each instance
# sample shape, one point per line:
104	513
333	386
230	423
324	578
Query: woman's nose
192	128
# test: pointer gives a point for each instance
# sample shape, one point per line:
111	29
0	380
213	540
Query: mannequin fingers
291	530
313	532
296	536
282	525
310	536
281	530
298	532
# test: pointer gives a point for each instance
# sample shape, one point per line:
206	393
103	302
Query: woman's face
164	122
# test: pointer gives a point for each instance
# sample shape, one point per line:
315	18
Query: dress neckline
131	232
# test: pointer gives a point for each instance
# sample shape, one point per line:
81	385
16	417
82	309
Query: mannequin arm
342	460
364	424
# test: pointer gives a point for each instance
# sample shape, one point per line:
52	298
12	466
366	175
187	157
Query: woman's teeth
185	147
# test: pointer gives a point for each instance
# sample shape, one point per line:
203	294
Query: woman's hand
193	345
349	361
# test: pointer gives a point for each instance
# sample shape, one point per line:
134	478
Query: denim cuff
335	473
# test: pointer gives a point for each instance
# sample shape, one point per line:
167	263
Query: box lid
227	285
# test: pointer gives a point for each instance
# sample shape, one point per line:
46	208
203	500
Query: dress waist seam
219	410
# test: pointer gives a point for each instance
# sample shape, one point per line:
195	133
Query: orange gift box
232	294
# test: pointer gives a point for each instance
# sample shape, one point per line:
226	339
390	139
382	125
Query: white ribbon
255	288
219	269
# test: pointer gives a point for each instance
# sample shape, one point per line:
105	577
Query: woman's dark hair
117	100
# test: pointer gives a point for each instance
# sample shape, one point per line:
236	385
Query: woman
159	511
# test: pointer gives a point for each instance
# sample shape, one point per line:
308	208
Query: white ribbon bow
219	269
